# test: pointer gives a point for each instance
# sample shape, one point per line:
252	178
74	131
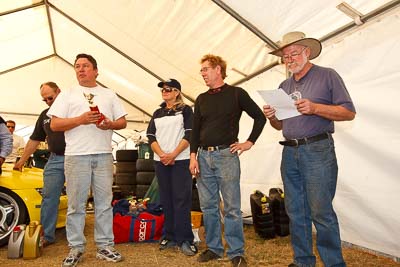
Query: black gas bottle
281	219
261	212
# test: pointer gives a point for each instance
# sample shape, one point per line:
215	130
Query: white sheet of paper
282	103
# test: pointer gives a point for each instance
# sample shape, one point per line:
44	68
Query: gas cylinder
281	219
16	242
262	215
32	240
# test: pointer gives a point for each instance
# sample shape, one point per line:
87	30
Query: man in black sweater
215	154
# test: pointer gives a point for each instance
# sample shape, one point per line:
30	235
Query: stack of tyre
144	176
125	172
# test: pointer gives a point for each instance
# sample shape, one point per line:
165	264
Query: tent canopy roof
139	43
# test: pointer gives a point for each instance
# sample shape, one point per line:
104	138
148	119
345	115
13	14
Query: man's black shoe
239	261
166	243
208	255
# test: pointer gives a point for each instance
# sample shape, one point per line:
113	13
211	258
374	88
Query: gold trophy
94	107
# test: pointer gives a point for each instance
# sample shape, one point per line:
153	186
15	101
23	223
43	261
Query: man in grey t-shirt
309	166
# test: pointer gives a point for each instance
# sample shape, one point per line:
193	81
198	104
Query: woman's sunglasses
167	89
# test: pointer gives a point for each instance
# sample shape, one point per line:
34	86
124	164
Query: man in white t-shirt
18	143
88	159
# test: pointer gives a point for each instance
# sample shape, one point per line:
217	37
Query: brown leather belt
213	148
306	140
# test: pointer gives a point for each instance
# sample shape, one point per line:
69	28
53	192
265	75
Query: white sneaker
109	254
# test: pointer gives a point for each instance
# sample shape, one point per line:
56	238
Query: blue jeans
83	172
220	172
53	183
309	175
175	187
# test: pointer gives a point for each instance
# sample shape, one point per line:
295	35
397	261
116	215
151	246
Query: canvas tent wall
139	43
367	148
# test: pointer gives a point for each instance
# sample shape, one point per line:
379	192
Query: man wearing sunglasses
53	174
18	142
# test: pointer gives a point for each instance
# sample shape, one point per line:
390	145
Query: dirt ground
259	252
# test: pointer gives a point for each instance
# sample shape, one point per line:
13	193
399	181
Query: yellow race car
20	199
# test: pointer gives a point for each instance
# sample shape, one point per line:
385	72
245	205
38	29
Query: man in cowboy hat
309	167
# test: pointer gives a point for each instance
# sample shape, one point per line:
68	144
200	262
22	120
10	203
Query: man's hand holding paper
282	103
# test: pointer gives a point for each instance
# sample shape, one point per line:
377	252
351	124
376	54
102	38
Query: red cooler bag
145	227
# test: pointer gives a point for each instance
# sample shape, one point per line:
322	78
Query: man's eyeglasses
10	126
167	89
205	69
286	58
50	98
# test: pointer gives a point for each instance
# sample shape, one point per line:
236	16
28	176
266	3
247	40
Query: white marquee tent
138	43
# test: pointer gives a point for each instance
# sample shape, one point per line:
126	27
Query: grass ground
259	252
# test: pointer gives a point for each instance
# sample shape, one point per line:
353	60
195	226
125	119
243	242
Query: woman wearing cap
169	134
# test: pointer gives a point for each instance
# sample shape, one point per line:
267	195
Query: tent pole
371	15
271	44
258	72
53	42
27	64
387	7
106	42
21	9
124	99
113	47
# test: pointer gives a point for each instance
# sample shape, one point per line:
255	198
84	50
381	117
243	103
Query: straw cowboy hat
299	38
